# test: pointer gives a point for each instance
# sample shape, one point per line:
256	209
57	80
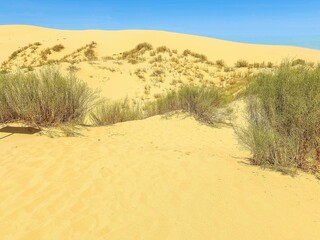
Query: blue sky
271	22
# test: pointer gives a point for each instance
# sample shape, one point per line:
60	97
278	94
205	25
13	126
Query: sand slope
151	179
110	42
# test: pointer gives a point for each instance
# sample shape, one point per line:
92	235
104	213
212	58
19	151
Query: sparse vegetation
57	48
90	54
43	98
284	118
298	62
241	63
220	63
201	101
107	112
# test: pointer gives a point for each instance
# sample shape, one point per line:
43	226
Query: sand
152	179
159	178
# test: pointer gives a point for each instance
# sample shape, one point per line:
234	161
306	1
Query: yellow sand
166	179
151	179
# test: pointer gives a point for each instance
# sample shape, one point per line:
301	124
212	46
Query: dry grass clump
85	53
298	62
200	57
134	56
163	49
220	63
107	112
57	48
90	54
284	118
241	63
44	54
201	101
43	98
138	50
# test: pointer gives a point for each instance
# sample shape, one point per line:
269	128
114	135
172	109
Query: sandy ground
152	179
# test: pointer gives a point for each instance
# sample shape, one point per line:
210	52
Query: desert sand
165	177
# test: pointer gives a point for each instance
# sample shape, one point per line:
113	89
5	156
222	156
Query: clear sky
281	22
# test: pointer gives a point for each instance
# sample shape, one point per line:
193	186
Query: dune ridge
13	36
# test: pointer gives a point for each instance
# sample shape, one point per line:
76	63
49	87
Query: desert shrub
284	117
90	54
298	62
270	65
163	49
201	57
57	48
108	112
140	49
220	63
256	65
241	63
186	52
201	101
45	97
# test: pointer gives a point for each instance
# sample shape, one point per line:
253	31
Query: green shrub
107	112
284	118
201	101
43	98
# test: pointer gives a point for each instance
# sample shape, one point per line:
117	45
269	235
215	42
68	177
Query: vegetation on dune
58	48
201	101
241	63
111	112
204	103
43	98
284	118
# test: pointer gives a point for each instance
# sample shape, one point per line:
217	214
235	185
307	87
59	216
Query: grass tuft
43	98
201	101
107	112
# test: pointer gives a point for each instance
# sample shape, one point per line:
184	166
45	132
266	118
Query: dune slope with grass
140	64
111	42
170	176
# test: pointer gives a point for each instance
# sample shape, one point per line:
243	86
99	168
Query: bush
43	98
220	63
107	113
298	62
90	54
241	64
201	101
58	48
284	118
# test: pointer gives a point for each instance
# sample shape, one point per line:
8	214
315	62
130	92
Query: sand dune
110	42
149	180
159	178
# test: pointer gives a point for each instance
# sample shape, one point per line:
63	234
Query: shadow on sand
18	130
